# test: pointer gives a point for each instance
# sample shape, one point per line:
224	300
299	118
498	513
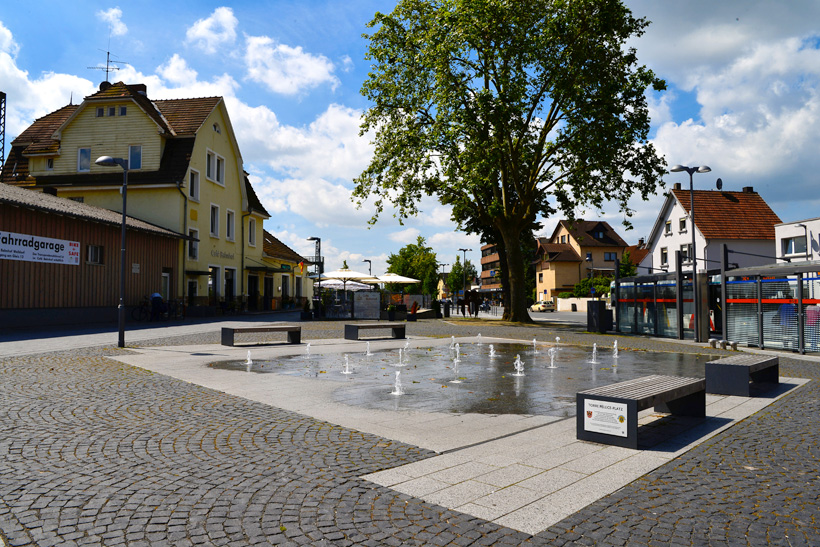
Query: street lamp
805	237
369	265
692	171
464	270
108	161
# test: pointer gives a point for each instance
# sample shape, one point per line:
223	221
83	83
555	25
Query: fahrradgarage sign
29	248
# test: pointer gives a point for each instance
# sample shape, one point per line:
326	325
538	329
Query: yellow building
576	250
287	284
185	174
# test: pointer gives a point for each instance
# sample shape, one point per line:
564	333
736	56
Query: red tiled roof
636	254
557	252
730	215
186	116
43	128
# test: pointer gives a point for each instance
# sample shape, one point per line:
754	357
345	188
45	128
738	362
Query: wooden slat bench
352	331
609	414
294	333
734	375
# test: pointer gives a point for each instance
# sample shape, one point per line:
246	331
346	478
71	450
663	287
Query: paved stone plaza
97	452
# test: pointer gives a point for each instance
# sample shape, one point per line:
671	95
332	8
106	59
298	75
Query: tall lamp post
464	270
692	171
108	161
369	265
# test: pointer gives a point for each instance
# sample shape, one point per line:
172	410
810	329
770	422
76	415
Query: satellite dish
719	184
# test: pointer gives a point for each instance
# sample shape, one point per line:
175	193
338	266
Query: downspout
184	249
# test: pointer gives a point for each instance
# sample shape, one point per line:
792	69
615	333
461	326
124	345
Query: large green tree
507	110
418	261
459	273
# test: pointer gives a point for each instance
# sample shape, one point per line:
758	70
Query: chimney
748	190
677	186
641	243
105	85
139	88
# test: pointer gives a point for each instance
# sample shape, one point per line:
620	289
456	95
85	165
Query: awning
197	272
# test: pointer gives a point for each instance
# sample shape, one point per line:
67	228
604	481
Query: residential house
797	241
442	289
575	250
742	220
490	276
60	259
286	277
185	174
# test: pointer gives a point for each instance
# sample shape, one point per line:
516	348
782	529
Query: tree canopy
418	261
508	111
458	273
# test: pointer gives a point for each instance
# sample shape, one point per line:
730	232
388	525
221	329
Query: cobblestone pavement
94	452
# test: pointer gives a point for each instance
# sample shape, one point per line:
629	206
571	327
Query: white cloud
455	240
113	17
7	43
219	29
285	69
177	71
406	236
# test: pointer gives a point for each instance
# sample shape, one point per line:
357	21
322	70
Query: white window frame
214	167
230	225
682	225
193	185
210	164
131	151
49	164
789	245
667	228
100	112
220	170
123	110
214	220
80	159
664	258
193	246
252	232
686	253
112	111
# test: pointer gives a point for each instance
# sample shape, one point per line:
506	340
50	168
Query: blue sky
743	98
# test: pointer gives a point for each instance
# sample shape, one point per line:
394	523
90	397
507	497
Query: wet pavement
97	452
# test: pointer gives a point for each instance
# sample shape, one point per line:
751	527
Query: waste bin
599	319
446	309
574	307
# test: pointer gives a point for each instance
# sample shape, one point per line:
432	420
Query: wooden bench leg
227	336
351	332
295	336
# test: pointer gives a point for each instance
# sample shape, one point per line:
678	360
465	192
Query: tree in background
418	261
507	111
458	271
627	268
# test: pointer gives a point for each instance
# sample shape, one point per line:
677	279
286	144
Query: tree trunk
517	310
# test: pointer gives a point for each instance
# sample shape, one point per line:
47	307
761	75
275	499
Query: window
214	220
682	224
210	165
252	232
229	225
100	112
135	156
563	239
112	110
94	254
84	159
610	257
540	278
193	244
667	230
685	252
193	185
49	164
220	170
664	256
123	110
794	245
598	234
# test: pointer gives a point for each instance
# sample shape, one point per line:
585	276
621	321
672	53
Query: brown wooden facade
41	293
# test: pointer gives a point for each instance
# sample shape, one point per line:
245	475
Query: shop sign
29	248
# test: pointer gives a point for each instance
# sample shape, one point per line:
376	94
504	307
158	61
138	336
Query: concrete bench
352	331
734	375
609	414
294	333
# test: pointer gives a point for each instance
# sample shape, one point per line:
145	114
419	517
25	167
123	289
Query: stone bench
294	333
352	331
734	375
609	414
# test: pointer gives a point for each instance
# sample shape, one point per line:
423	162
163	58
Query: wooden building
60	260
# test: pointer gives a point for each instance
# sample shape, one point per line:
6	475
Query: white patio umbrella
390	277
344	275
336	284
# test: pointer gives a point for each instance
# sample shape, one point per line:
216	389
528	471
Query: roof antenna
110	65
